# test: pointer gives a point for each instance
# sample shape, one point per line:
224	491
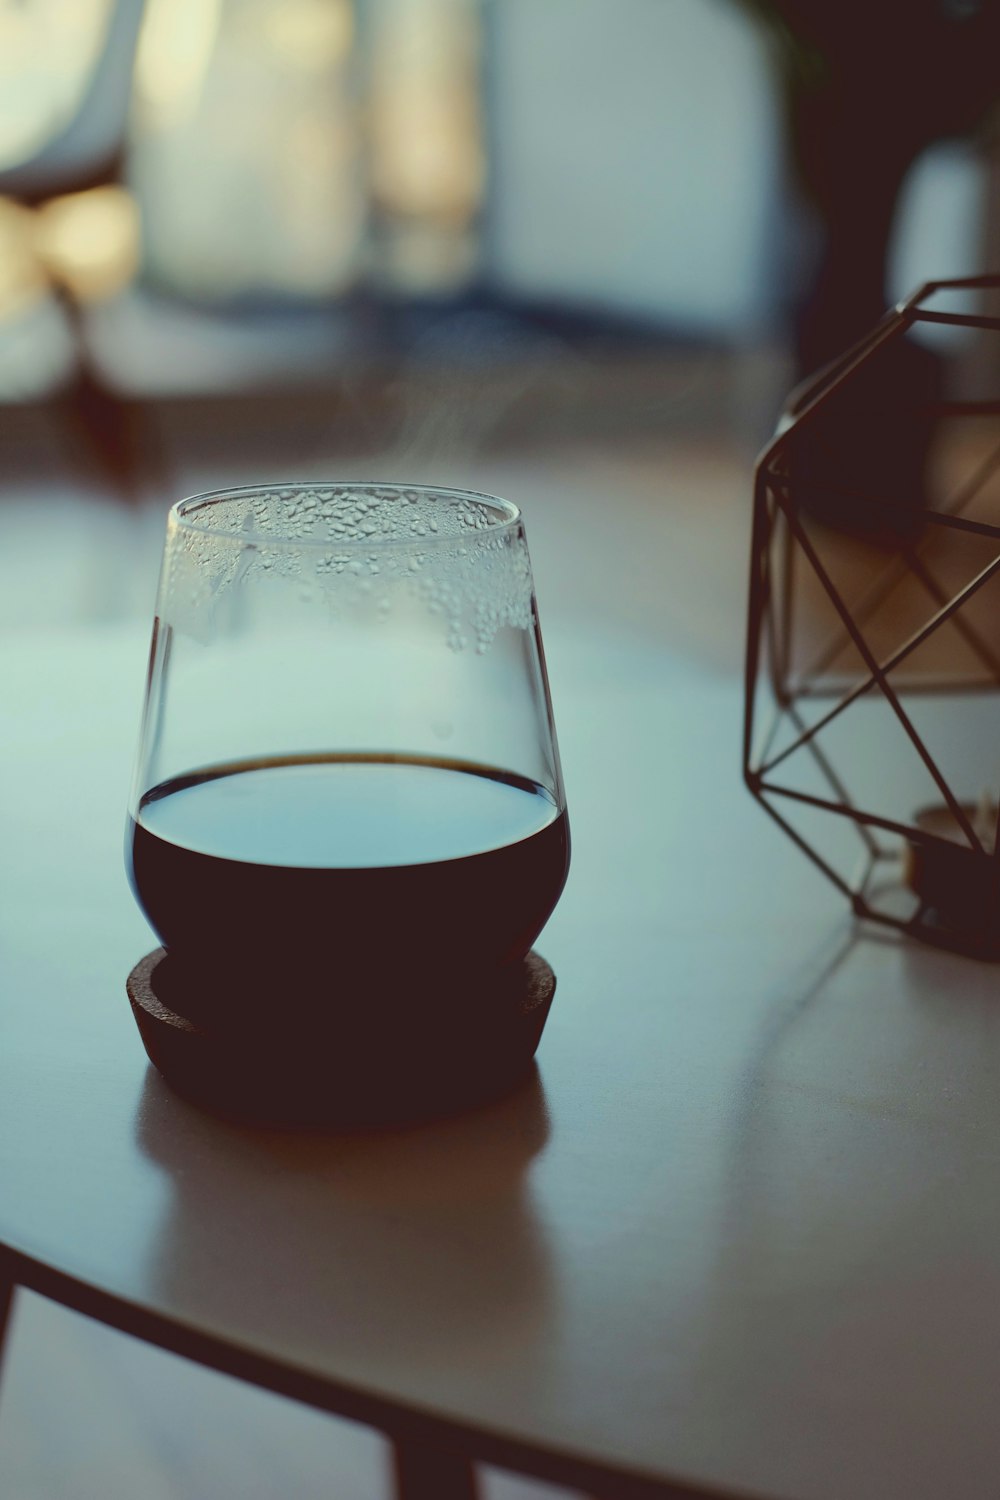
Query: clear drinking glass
347	786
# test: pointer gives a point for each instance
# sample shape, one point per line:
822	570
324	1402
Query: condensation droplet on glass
475	581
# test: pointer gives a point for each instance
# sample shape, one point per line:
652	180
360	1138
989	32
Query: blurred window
295	147
284	151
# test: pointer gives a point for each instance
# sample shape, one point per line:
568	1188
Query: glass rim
180	515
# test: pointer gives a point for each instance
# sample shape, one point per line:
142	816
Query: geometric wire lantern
872	728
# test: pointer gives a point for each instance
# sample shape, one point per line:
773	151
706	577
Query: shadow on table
858	1227
369	1252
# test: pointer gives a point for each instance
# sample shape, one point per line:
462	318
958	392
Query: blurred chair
84	153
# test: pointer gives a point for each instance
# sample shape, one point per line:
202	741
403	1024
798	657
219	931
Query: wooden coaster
371	1063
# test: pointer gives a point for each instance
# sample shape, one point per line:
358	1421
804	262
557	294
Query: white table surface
742	1232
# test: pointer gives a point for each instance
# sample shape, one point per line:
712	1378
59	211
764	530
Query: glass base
376	1061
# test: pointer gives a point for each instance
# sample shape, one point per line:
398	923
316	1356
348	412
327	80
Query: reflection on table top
740	1232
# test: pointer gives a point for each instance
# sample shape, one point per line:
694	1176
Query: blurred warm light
427	158
90	241
245	148
48	49
266	131
313	35
22	279
424	258
176	44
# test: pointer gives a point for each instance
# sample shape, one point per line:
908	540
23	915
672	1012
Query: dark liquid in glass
336	874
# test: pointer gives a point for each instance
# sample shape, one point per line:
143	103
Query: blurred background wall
244	193
263	238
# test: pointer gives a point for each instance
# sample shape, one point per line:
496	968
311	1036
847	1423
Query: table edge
398	1421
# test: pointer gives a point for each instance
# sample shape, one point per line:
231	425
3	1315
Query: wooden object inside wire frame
872	726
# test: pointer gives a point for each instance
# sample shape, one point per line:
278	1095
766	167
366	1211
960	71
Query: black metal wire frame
878	674
811	399
779	540
910	560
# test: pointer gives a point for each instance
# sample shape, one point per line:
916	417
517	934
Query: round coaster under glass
346	1065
